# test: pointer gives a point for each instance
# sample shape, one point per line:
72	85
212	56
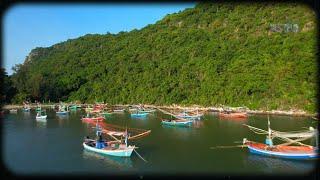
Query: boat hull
93	119
62	112
139	114
287	152
41	118
234	115
118	152
177	123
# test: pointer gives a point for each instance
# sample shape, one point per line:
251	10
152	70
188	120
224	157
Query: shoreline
294	113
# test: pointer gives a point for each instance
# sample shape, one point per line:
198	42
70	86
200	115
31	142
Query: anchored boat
115	147
63	110
233	115
177	122
41	116
285	150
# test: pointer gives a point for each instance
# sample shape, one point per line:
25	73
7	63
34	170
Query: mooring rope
140	156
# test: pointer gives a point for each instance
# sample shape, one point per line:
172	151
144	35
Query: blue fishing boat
63	110
138	114
176	122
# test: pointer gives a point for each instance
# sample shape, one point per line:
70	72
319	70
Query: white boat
40	117
102	148
117	147
13	110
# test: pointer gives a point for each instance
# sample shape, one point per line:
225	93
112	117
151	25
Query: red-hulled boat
282	151
238	115
93	119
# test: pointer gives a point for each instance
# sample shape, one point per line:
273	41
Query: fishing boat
74	107
13	110
299	150
234	115
139	114
118	110
93	119
185	115
41	116
106	113
191	115
63	110
113	147
102	147
146	110
26	108
177	122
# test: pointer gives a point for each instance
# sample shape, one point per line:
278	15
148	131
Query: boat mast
269	138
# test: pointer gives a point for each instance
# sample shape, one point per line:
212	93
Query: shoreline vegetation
214	54
299	113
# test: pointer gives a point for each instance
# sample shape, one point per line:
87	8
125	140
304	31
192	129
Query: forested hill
262	56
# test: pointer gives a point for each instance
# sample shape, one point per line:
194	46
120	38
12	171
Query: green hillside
262	56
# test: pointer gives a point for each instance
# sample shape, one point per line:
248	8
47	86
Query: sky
27	26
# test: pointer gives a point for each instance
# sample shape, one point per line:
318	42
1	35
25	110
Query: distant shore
194	107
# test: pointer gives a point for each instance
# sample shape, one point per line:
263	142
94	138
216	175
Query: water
55	146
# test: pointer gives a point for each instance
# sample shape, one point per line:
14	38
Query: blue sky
27	26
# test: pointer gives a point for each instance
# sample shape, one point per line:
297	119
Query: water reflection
276	165
180	132
41	123
116	162
197	124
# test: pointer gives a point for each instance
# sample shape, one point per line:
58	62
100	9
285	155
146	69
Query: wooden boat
146	110
239	115
63	110
139	114
93	119
113	148
105	148
27	109
282	151
176	122
187	116
118	110
13	110
298	151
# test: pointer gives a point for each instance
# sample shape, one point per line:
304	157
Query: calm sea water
55	147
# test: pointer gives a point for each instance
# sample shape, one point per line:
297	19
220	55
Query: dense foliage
7	89
229	54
